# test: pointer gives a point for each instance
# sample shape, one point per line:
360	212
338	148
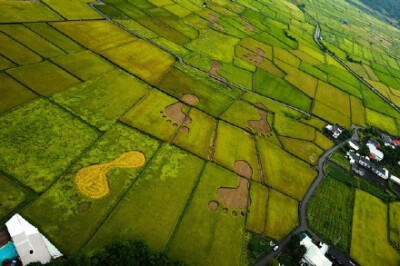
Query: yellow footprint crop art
92	180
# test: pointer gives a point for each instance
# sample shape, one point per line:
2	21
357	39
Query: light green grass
102	100
146	115
369	244
153	205
233	144
282	215
84	65
255	221
25	11
73	9
394	223
200	136
293	180
16	52
44	78
40	141
12	93
11	195
201	238
58	214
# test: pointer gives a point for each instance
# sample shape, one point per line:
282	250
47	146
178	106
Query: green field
370	244
195	127
330	213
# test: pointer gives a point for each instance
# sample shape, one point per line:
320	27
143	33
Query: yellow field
258	208
382	121
333	97
303	149
331	115
369	242
357	111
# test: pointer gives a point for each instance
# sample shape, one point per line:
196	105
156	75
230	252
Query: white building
314	256
31	245
395	179
377	154
353	145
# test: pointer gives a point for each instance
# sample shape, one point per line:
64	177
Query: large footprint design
92	180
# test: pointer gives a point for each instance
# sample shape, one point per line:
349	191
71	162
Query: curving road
317	39
304	203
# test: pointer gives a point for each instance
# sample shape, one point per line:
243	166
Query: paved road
304	203
317	39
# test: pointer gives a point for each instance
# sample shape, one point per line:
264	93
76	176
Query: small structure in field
315	256
345	21
334	130
30	244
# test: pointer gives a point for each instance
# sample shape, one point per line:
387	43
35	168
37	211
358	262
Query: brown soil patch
225	210
248	26
261	126
235	198
215	66
243	168
174	111
213	205
92	180
257	56
185	130
4	238
213	20
84	206
190	99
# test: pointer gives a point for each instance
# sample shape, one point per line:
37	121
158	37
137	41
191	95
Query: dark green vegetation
386	7
330	212
117	253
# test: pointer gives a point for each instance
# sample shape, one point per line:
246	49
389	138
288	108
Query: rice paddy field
189	126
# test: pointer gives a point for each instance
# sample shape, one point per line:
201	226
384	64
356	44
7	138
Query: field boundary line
118	201
185	208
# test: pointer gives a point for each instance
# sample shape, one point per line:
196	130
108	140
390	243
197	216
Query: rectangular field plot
102	100
369	242
12	93
278	89
73	9
331	115
232	145
394	223
55	37
202	236
39	141
303	149
381	121
17	52
44	78
333	97
25	11
178	83
198	136
32	40
330	213
5	63
282	215
157	114
293	180
96	35
67	214
142	59
84	65
357	111
258	208
288	127
154	204
11	195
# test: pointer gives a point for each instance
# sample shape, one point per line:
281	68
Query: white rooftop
315	256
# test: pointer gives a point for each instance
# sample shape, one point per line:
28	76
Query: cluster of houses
334	130
361	163
26	245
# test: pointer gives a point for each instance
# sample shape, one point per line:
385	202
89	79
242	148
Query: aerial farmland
206	130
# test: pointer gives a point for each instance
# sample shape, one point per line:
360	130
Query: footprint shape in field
257	56
175	114
92	181
215	66
234	198
248	26
260	126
